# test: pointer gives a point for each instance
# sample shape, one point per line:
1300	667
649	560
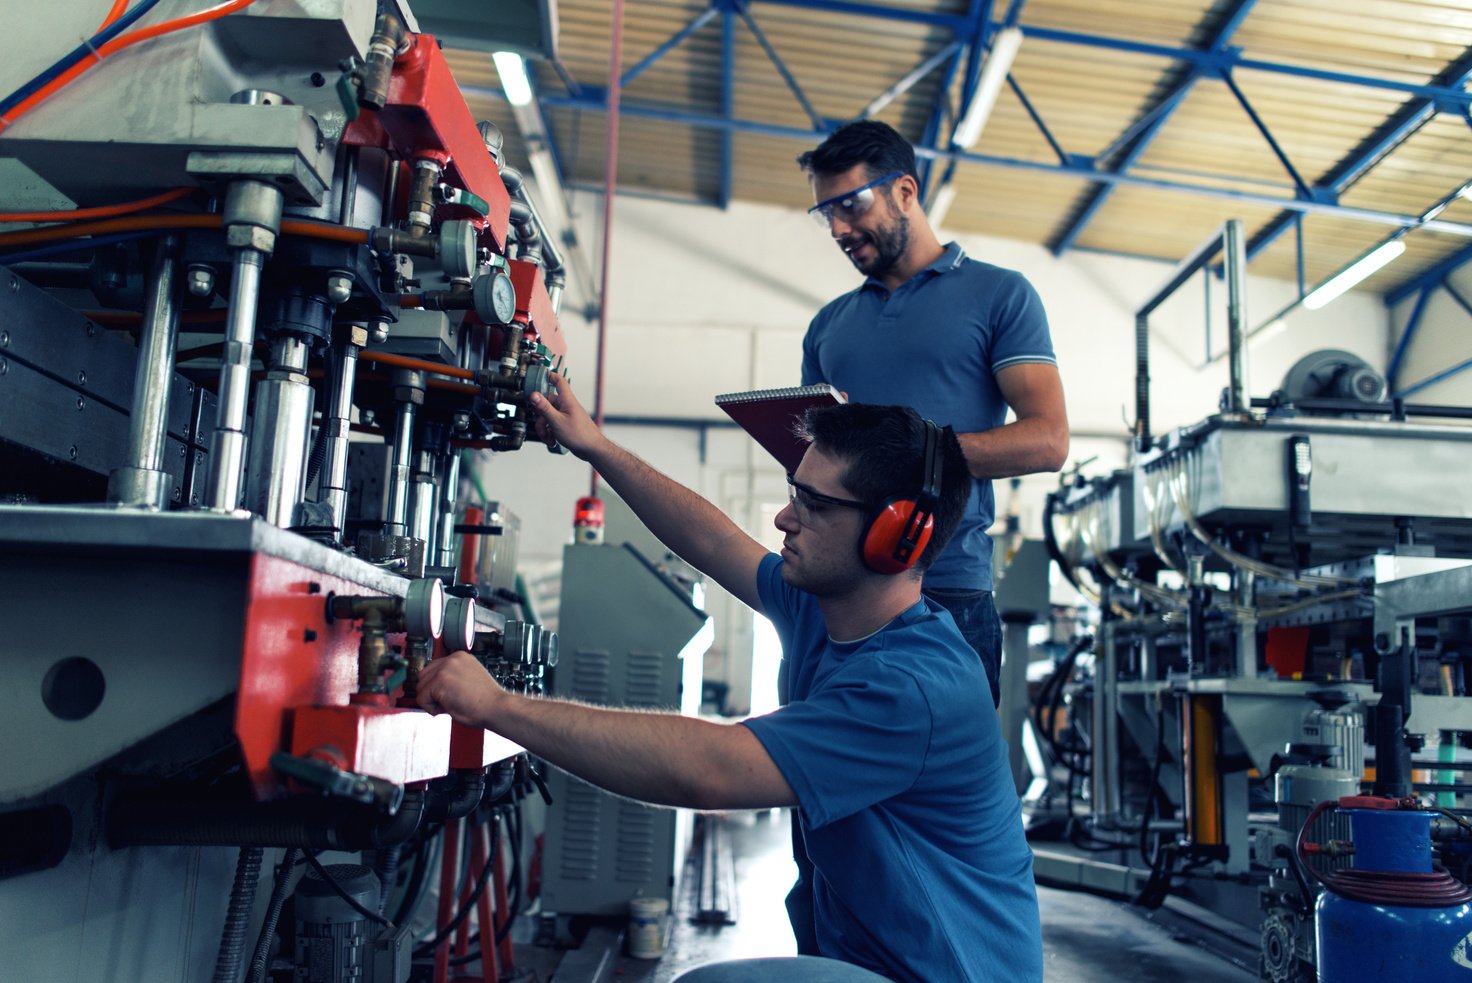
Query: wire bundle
1404	889
108	40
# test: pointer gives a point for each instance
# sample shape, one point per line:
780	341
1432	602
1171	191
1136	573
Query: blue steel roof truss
970	34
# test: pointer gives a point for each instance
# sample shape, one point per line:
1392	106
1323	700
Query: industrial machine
1283	594
278	284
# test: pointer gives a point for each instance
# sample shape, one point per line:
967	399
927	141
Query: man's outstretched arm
690	526
662	758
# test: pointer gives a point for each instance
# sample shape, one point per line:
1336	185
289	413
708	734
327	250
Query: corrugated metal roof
1320	76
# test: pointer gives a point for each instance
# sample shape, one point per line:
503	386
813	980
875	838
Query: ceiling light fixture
993	76
1351	275
514	82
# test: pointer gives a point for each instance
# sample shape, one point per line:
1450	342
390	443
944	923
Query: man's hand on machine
561	418
460	686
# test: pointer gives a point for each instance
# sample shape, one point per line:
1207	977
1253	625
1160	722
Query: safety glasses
810	502
849	205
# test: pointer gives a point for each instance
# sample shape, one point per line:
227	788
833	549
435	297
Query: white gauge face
503	298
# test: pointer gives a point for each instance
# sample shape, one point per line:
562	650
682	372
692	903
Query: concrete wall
704	301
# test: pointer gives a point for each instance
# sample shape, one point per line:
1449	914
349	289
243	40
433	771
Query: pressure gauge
495	296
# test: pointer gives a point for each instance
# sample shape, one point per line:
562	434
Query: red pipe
610	184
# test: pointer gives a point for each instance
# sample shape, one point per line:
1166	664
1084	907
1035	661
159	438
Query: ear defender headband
899	530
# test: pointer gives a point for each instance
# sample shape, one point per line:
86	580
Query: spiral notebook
773	415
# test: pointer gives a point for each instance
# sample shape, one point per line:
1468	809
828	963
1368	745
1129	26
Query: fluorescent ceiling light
514	82
993	76
941	203
1351	275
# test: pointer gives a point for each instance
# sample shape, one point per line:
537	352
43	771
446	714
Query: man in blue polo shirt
915	867
958	340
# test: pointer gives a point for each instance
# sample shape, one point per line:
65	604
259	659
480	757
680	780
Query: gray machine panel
628	638
1238	478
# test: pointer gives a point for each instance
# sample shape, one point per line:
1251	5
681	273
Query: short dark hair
883	450
878	146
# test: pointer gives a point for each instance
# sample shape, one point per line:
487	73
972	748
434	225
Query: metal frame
970	34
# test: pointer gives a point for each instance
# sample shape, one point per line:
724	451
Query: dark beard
890	244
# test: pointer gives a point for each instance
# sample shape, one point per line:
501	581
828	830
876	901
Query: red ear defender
899	530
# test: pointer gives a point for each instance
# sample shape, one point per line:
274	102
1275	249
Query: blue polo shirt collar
950	259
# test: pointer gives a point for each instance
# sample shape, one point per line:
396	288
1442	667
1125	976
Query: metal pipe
280	433
449	492
142	481
223	491
1236	274
1104	765
336	425
397	513
610	186
552	260
424	502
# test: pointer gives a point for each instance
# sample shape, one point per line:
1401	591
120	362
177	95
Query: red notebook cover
772	417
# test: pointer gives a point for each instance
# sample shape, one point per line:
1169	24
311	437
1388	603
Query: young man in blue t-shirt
959	341
914	864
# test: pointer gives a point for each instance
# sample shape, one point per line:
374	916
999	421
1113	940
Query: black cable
257	971
1150	790
237	915
353	902
513	902
414	892
480	884
1283	850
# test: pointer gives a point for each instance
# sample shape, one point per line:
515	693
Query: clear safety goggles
849	205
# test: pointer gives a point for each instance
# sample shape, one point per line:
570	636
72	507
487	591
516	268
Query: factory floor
1085	938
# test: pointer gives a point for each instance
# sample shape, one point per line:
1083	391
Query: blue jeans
808	969
976	615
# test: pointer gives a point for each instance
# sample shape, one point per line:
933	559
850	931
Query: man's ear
906	191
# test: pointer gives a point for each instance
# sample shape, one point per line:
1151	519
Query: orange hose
118	7
166	223
115	45
103	211
405	362
320	230
130	223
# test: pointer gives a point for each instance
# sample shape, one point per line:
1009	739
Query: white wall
704	301
1443	339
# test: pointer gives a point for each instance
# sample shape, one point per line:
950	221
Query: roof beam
1397	128
1430	277
593	100
1158	115
1448	96
674	41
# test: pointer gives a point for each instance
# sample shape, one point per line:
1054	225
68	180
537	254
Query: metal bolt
461	421
81	403
82	378
14	285
339	288
378	332
73	452
4	366
4	339
201	281
181	450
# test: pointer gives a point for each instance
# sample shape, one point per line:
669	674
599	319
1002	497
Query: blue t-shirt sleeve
1019	325
812	374
859	740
